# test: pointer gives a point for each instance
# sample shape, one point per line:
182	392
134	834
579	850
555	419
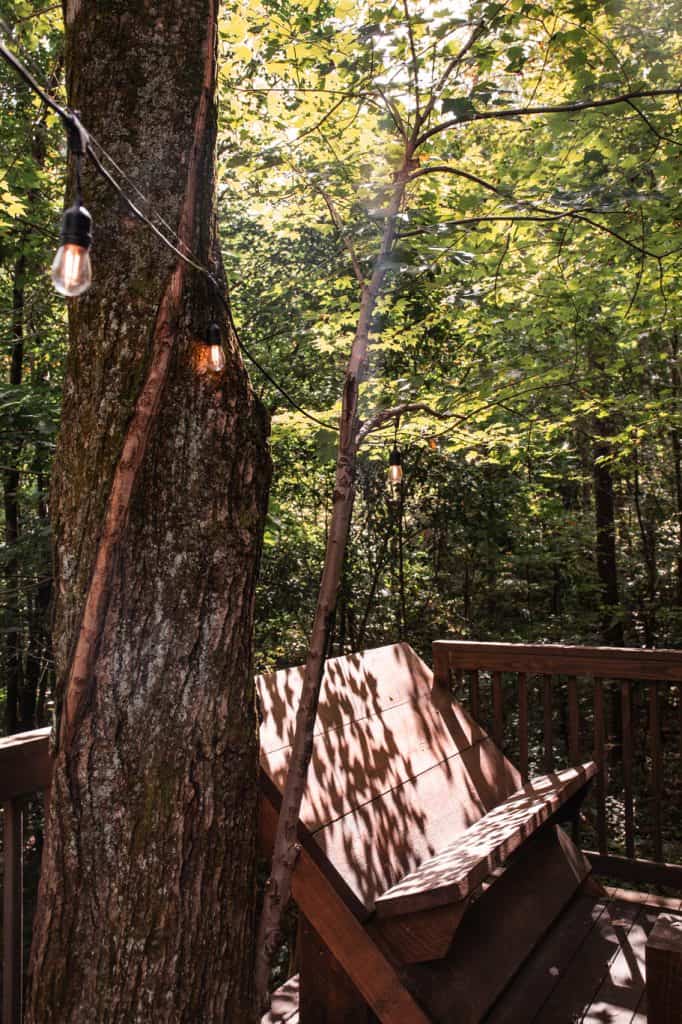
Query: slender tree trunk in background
278	887
605	542
146	902
647	534
676	385
11	479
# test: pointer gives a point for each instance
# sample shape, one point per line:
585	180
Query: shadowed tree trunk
605	543
147	891
11	482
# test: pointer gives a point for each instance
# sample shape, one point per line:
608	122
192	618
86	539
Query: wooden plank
566	659
543	970
500	929
441	670
454	872
371	971
326	993
626	717
638	871
548	741
640	1014
353	687
621	989
355	764
523	725
416	938
25	764
12	918
573	722
577	987
600	759
284	1004
656	769
664	970
498	710
377	844
645	899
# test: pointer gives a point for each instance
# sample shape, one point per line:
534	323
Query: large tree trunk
147	890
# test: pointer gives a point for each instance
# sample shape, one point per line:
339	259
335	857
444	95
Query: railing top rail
605	662
25	765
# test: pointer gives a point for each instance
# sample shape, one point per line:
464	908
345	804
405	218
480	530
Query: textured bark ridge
147	891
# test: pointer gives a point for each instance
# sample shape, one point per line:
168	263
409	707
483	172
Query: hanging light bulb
395	468
216	354
71	270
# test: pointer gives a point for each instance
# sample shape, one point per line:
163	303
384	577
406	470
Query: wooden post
12	920
664	970
327	996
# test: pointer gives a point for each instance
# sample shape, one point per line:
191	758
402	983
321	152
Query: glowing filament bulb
395	468
216	358
71	269
216	353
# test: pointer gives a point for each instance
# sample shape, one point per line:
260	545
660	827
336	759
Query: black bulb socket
395	459
213	335
76	227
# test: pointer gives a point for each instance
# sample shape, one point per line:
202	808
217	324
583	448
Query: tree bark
146	900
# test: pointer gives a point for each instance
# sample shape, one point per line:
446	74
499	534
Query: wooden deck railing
24	771
547	703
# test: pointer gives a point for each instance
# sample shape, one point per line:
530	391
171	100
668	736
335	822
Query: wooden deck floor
590	967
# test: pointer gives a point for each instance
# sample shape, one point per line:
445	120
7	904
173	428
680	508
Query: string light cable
71	268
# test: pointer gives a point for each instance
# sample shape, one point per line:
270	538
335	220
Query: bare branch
561	108
547	212
380	419
338	224
442	81
415	62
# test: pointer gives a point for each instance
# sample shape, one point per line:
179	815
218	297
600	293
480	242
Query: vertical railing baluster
656	767
626	721
573	721
12	921
474	695
547	722
498	710
600	760
459	683
523	726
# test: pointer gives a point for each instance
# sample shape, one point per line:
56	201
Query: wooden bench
427	871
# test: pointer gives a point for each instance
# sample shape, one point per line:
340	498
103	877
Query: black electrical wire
79	143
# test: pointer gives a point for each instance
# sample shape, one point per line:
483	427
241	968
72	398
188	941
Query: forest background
530	308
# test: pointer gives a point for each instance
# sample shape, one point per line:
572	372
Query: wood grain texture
416	938
536	659
500	930
353	687
664	970
25	763
377	844
373	973
455	871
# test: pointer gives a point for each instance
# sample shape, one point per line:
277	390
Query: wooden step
454	873
284	1004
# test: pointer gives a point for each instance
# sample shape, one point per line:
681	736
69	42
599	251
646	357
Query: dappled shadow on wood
392	779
